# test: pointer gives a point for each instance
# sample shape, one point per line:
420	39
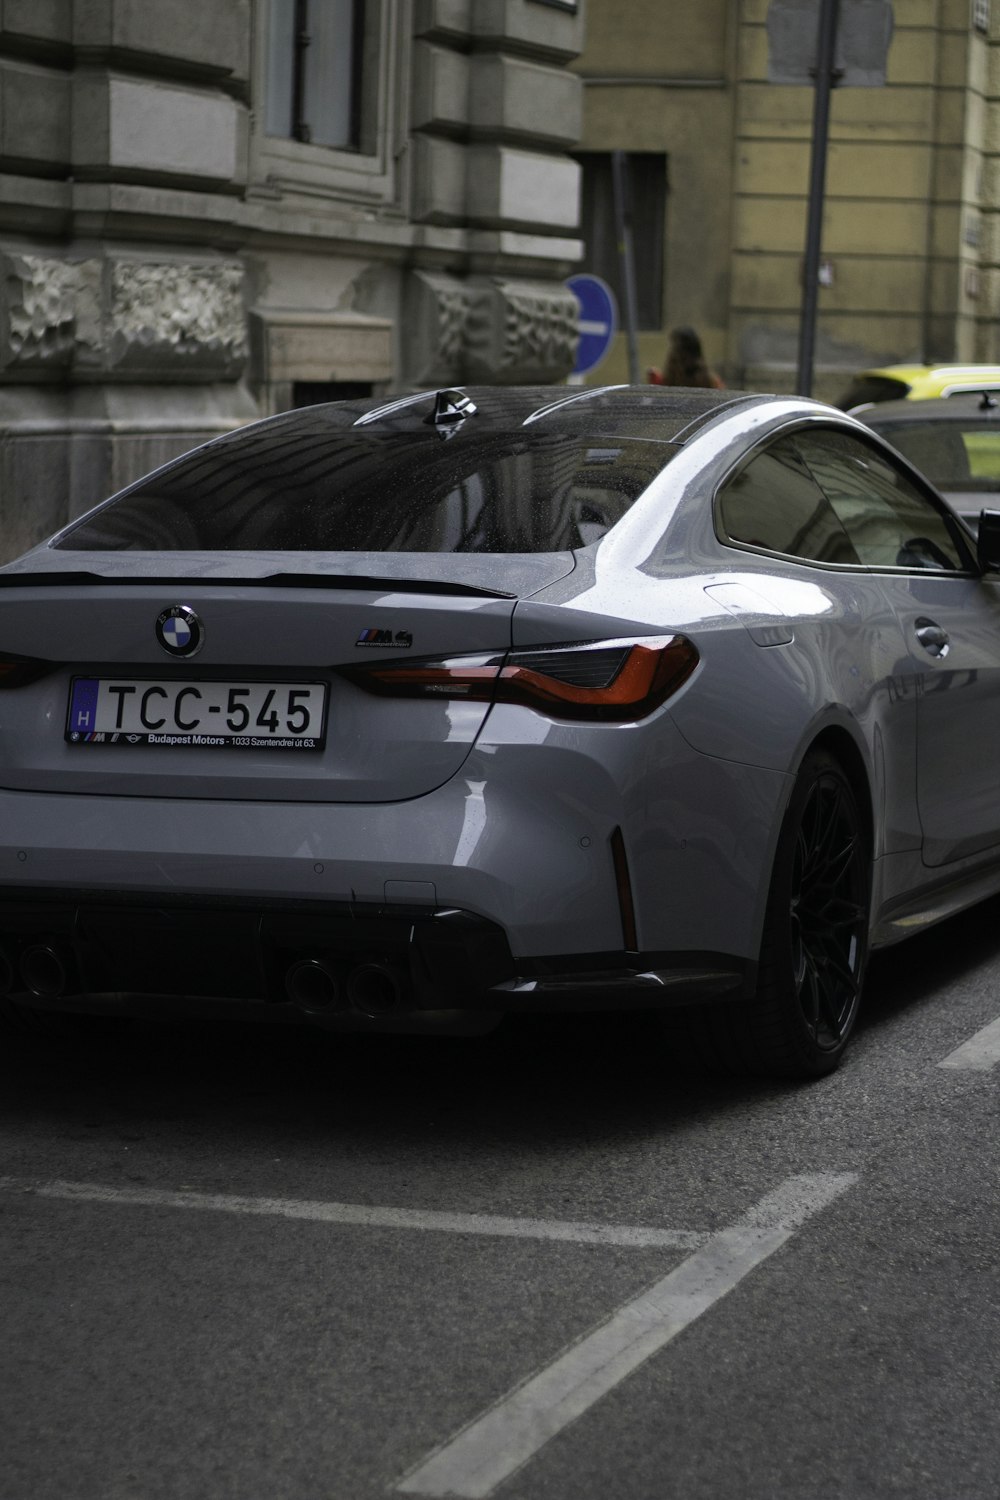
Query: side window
890	522
775	503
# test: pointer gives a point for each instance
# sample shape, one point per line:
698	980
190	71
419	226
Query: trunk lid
257	635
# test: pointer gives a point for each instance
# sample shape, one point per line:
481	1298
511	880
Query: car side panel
958	710
758	704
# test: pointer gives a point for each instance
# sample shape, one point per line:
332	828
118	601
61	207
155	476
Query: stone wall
168	270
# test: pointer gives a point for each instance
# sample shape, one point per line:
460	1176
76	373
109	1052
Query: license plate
203	715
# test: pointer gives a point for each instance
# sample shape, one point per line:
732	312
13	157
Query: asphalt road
537	1265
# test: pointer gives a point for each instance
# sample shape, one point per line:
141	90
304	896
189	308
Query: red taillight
614	681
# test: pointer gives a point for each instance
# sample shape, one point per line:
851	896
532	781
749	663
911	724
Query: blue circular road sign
598	320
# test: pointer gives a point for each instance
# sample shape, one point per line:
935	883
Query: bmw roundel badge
179	631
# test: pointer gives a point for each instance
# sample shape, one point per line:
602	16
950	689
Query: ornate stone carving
521	331
178	315
50	308
124	320
438	310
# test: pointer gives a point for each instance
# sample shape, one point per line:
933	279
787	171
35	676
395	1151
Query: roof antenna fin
450	411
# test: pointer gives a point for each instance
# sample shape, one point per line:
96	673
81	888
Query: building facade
719	162
210	213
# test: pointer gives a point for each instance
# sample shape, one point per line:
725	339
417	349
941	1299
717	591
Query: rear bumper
329	962
522	838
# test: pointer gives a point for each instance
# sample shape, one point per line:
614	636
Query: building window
981	15
646	191
315	72
330	114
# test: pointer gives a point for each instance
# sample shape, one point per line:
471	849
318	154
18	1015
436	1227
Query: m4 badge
397	640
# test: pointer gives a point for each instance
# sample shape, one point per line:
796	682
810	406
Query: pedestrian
685	363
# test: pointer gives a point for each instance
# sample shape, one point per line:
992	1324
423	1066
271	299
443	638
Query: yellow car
917	383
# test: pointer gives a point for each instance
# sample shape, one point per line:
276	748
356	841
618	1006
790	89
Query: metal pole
626	257
827	41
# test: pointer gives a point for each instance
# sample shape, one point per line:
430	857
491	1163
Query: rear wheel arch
815	936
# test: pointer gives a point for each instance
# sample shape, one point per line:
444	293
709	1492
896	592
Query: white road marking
497	1444
980	1053
636	1237
503	1439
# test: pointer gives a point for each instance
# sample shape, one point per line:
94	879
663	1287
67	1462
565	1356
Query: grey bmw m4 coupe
413	714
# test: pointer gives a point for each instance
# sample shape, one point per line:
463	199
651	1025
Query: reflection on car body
954	442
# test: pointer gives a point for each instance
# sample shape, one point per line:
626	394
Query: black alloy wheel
828	911
815	941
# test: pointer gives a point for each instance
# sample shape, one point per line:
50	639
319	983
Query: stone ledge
292	344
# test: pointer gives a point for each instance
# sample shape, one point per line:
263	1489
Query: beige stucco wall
902	174
657	78
912	217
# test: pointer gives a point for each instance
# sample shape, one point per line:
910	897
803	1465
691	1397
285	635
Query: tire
815	940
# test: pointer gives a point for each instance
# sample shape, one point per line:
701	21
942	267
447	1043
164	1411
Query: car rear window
954	455
868	389
287	487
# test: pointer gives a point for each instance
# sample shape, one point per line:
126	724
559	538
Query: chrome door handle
933	638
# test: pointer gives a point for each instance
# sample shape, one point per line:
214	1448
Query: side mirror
988	541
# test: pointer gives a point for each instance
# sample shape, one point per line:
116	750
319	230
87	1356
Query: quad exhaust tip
43	972
373	989
314	986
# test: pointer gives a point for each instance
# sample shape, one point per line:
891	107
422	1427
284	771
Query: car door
950	620
847	641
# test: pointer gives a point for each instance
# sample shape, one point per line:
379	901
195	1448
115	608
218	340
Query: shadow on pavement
553	1079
